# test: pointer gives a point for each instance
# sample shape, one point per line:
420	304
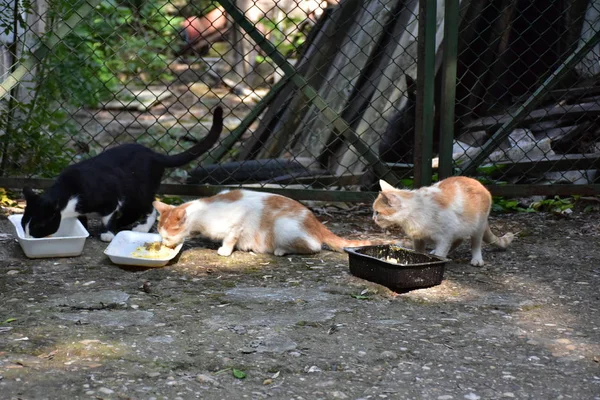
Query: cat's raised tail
197	150
336	243
499	242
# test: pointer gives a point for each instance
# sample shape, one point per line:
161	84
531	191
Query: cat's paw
107	236
225	252
477	262
279	252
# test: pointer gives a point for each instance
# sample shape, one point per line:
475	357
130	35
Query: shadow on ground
524	326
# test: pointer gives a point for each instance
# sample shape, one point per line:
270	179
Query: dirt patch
526	325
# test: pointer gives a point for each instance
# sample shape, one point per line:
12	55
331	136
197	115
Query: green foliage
125	41
500	204
491	169
239	374
120	42
172	200
35	138
281	35
556	205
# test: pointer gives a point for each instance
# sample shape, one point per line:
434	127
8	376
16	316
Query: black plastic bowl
412	271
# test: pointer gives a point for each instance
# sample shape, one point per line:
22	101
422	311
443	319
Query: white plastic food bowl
68	241
125	243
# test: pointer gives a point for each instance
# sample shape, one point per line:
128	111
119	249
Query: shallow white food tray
68	241
125	243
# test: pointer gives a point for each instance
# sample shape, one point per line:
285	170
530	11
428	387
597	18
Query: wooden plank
573	111
315	66
543	190
566	94
562	162
531	103
380	87
361	40
230	140
311	93
284	104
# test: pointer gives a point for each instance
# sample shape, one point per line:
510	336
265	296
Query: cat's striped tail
336	243
500	242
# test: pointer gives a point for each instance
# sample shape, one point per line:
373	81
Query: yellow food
393	260
152	250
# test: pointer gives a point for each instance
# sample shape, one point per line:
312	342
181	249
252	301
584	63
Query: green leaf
238	373
360	297
9	320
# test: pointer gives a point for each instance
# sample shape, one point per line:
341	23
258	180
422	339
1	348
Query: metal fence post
450	48
425	92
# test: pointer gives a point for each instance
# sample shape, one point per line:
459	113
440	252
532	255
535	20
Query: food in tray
152	250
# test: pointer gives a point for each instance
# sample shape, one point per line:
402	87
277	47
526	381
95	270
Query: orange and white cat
250	221
445	214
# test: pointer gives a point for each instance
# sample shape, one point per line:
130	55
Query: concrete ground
524	326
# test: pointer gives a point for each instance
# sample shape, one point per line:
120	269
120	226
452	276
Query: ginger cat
444	213
250	221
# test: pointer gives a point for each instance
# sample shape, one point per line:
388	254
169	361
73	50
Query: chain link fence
317	94
527	91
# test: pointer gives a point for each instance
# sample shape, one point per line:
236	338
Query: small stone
508	394
106	390
267	381
388	355
203	378
472	396
12	272
445	397
313	368
90	392
153	374
338	395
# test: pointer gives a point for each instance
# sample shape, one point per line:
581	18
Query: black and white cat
119	185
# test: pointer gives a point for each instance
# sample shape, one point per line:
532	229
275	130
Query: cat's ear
180	214
30	195
160	206
391	199
385	186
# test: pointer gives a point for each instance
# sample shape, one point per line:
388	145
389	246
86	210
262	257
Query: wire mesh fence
317	94
527	85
